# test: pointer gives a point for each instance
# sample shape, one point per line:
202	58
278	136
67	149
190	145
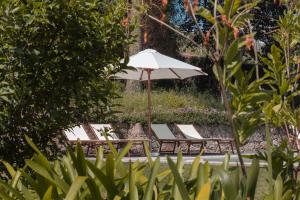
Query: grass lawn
167	100
170	107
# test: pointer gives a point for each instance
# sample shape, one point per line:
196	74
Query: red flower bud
196	5
249	42
145	37
224	18
164	4
229	24
125	22
236	32
206	38
186	5
163	17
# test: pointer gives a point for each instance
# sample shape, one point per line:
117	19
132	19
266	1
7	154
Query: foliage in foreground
75	177
55	56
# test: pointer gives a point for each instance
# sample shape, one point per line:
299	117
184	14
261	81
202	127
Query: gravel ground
253	144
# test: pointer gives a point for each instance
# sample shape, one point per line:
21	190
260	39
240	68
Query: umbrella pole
149	106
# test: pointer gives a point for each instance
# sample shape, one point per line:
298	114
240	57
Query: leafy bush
176	116
75	177
55	55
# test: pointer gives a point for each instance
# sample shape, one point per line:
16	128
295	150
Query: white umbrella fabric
151	65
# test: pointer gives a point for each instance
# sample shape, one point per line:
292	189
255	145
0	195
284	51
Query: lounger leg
189	148
129	153
87	151
160	147
219	147
118	147
231	145
144	148
174	148
201	148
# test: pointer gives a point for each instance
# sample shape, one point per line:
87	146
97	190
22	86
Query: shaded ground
252	145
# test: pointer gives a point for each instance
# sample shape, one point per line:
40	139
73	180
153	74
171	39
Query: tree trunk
132	85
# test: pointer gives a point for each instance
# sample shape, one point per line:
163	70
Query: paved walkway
211	159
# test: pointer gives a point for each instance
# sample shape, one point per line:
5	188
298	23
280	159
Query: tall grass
166	101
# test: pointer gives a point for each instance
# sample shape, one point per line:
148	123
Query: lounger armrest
130	140
182	140
219	139
171	140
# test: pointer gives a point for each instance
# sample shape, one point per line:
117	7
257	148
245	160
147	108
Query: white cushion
75	133
189	131
100	128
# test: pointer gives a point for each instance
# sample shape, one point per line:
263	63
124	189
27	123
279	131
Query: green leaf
227	6
252	179
110	168
148	154
99	158
194	168
112	190
48	194
231	52
288	195
151	181
278	188
204	193
236	5
75	187
206	14
229	184
215	70
133	192
79	161
203	175
178	180
123	153
9	168
41	170
277	108
11	190
41	158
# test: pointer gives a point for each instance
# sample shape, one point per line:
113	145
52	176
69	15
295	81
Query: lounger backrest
75	133
295	130
189	131
100	128
162	131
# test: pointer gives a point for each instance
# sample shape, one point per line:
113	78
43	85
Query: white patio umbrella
151	65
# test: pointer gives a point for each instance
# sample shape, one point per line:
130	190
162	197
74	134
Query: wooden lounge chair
293	137
165	136
189	132
98	130
78	133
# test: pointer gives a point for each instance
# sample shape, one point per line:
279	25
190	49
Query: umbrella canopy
151	65
162	67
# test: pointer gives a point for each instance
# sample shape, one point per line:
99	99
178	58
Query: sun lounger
165	136
99	129
189	132
78	133
293	137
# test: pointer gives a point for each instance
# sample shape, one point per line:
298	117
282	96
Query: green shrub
192	117
55	55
